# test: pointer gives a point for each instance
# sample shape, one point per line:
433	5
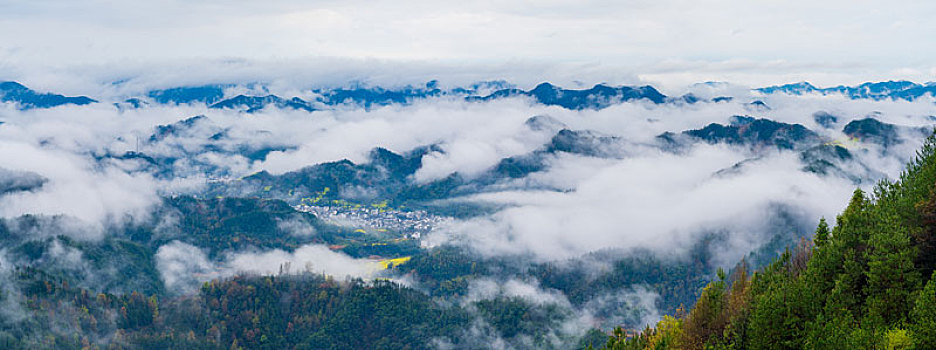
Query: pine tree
850	240
891	275
830	332
923	317
822	233
925	238
852	228
824	265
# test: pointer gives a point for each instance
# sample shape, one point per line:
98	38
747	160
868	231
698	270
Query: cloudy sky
669	43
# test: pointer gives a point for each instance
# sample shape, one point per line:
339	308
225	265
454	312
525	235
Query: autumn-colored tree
705	320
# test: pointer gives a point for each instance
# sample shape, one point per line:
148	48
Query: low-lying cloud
183	267
92	168
647	198
651	201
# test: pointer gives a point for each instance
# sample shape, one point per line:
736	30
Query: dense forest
866	283
304	311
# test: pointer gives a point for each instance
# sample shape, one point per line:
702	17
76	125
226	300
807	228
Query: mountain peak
12	86
26	98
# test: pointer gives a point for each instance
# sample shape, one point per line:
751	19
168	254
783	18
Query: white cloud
632	306
315	258
649	198
486	289
674	42
653	201
622	307
474	136
183	266
75	187
296	227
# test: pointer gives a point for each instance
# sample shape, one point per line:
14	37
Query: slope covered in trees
866	283
304	311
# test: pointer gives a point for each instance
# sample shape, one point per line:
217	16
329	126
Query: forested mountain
464	175
60	292
226	216
868	282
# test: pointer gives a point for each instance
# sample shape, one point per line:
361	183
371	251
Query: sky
668	43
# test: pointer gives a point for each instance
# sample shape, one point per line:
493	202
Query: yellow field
385	264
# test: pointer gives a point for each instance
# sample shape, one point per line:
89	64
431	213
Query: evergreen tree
891	275
923	317
850	239
780	317
822	233
925	238
830	332
852	228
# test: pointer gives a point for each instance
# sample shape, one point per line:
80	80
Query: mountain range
184	274
597	97
894	90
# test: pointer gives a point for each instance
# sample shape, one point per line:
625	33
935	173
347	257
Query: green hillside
866	283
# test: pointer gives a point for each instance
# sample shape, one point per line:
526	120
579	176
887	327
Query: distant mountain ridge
26	98
600	96
256	103
894	90
214	96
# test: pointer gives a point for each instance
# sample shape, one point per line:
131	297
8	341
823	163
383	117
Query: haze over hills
501	175
534	218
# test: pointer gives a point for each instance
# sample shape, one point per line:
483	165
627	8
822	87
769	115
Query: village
376	218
